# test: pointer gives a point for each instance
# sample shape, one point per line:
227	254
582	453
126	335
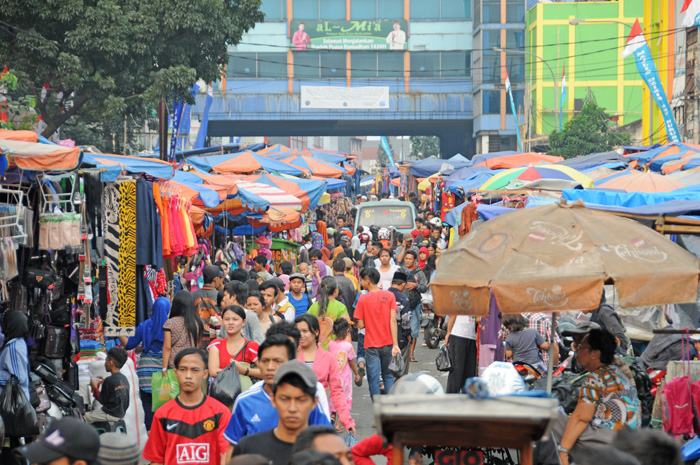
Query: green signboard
349	35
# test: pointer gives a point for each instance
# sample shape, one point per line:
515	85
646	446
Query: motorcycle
434	328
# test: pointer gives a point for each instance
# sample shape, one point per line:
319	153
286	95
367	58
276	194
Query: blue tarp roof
268	164
630	199
593	160
656	165
429	166
462	174
209	197
474	182
133	165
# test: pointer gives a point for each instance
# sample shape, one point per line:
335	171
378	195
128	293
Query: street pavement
362	407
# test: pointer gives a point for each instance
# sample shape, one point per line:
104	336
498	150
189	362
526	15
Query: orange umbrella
557	257
636	181
274	149
519	159
314	166
39	157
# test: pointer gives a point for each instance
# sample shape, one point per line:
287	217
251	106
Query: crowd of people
299	335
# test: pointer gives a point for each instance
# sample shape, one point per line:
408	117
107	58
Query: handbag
56	341
443	361
163	388
227	386
17	413
40	278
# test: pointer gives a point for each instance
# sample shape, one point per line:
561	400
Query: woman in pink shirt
324	365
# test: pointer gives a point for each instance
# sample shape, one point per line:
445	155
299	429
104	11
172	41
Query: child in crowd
342	350
522	342
113	396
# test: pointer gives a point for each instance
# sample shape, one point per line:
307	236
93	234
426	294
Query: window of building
491	102
491	71
440	9
364	64
455	64
242	65
389	64
257	65
515	64
274	9
515	11
272	65
306	65
491	11
491	39
515	39
376	9
319	9
425	64
333	65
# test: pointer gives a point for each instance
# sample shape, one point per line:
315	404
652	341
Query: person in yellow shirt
349	273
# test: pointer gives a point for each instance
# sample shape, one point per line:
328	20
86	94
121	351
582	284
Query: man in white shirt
461	342
396	38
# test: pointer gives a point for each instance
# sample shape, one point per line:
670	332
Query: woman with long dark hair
150	336
183	329
328	309
324	365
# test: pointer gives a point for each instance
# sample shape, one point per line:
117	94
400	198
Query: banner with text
349	35
345	98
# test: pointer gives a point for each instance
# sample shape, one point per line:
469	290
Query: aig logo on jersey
193	453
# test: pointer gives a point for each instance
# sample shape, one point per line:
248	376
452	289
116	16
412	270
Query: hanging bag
676	403
227	386
397	365
164	388
443	361
17	413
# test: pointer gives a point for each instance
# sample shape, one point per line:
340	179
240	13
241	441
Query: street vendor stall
459	427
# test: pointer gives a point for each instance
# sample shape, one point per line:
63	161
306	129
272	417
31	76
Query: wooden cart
456	420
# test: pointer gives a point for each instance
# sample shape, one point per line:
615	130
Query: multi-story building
498	24
351	68
586	39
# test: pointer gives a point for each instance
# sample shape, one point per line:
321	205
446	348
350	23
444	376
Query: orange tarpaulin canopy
26	136
274	149
636	181
40	157
519	159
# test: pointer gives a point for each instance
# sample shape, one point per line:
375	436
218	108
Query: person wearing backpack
328	309
608	319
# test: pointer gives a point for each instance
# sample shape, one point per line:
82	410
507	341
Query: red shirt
249	354
375	309
188	435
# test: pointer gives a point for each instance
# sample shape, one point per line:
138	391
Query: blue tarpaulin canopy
593	160
115	164
482	157
629	199
429	166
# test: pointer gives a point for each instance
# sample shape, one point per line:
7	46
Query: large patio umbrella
519	159
518	176
325	155
636	181
274	149
558	257
689	177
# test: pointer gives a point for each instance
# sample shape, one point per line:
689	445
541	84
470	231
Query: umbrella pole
550	361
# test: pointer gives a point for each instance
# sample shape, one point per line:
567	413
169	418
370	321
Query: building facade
497	24
584	40
351	68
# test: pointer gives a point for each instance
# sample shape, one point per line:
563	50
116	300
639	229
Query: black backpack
644	385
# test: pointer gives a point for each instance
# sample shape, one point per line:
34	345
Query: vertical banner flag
563	97
202	134
186	123
691	8
636	44
515	114
385	146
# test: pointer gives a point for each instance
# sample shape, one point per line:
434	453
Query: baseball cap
408	237
279	283
344	238
297	276
582	328
210	272
295	367
118	449
67	437
348	262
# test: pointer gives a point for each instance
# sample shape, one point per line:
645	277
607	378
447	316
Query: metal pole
163	130
550	362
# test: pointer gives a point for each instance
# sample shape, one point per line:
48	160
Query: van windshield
398	216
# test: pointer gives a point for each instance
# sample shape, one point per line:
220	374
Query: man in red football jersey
190	428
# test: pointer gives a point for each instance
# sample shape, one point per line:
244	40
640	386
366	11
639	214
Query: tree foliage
104	59
588	132
424	146
18	109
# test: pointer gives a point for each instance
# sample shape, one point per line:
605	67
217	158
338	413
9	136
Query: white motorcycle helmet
383	234
417	383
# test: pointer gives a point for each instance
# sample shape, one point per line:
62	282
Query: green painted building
586	39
